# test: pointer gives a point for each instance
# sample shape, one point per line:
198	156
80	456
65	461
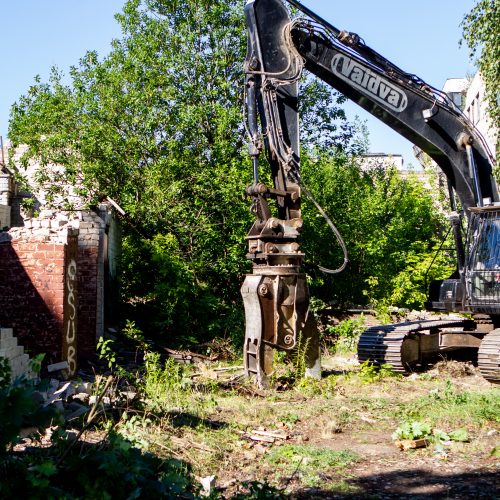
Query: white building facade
469	96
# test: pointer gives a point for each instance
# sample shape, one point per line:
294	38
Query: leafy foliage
309	462
165	386
119	466
481	31
412	430
114	470
18	408
345	334
106	352
416	429
259	491
370	373
463	407
389	224
157	126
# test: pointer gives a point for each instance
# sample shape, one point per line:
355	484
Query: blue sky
421	37
36	35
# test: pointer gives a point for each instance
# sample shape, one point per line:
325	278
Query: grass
447	405
290	419
310	464
343	487
165	387
356	399
335	410
188	414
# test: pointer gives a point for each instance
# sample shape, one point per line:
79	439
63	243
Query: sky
420	37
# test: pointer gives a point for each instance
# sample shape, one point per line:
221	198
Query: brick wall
87	300
33	262
96	254
90	280
32	294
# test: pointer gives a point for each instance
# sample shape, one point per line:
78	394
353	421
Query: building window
478	109
456	97
472	112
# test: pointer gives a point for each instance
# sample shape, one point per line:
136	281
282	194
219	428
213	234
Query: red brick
32	294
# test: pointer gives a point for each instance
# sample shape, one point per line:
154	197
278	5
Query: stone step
12	352
19	365
19	361
8	342
5	334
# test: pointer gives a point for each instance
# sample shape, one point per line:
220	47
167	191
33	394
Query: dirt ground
333	439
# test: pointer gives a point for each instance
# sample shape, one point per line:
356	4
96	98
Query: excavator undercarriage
414	345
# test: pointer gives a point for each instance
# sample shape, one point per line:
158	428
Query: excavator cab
482	277
476	288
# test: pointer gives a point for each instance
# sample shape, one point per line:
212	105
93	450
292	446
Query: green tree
157	126
481	32
391	228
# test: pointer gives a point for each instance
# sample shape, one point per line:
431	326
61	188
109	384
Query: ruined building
57	273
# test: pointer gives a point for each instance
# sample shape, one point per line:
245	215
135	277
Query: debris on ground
411	444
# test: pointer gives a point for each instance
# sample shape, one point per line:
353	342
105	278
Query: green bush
113	469
157	126
391	228
370	373
117	467
345	335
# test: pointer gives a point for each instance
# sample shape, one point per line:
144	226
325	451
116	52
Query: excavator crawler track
488	357
388	344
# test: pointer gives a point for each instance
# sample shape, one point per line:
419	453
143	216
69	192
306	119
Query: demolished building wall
57	274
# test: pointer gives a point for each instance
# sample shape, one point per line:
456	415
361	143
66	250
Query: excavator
275	294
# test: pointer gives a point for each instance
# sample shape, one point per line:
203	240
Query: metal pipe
255	167
314	16
451	194
253	149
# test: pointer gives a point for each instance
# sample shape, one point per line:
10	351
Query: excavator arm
423	115
279	49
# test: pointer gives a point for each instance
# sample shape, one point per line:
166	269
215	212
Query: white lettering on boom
367	81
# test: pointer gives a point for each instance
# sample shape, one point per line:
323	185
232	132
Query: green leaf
460	435
412	430
440	435
46	469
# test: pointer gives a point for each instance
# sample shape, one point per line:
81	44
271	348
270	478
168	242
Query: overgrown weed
452	407
255	490
66	468
326	387
343	337
370	373
311	464
165	386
